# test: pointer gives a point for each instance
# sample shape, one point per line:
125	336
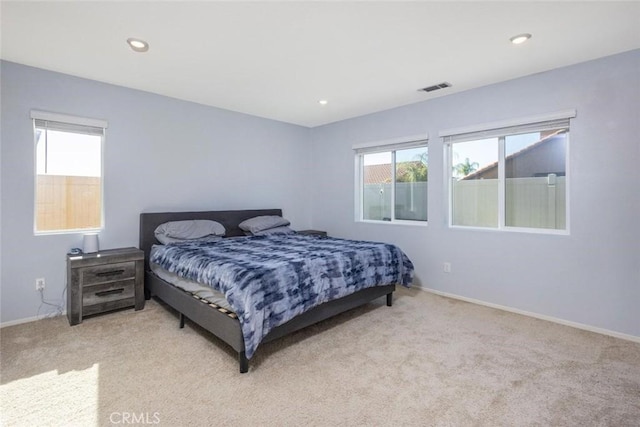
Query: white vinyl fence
530	202
411	201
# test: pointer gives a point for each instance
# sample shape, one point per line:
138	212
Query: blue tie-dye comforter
268	280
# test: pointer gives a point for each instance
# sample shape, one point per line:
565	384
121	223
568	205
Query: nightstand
104	281
313	232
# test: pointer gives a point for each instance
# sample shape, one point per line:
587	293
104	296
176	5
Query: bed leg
244	362
181	320
389	299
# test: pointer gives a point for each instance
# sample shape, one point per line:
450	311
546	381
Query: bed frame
221	323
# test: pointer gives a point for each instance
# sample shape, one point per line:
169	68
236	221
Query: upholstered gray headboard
230	219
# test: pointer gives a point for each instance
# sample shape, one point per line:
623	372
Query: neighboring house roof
377	174
538	148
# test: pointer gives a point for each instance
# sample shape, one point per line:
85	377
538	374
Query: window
510	177
68	164
392	181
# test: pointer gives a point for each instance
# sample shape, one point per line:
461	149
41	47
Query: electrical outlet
446	267
40	284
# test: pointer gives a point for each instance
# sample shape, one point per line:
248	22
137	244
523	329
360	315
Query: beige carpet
427	361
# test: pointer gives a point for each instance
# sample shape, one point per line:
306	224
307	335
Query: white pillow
193	229
265	222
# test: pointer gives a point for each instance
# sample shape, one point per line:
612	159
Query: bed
219	319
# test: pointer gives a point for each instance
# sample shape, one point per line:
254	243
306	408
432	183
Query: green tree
413	171
464	169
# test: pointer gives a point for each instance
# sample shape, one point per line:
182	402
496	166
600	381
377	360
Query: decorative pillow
173	231
277	230
260	223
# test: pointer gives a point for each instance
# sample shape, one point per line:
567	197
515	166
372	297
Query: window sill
396	222
74	231
512	230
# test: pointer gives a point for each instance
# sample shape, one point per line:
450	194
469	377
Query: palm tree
464	169
413	171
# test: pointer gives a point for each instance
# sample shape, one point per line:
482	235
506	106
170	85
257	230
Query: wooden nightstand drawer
108	273
105	292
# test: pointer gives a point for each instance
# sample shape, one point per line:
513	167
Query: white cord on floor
59	306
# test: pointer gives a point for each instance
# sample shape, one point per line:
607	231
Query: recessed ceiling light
138	45
323	102
520	38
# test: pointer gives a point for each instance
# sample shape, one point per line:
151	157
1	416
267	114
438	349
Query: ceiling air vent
436	87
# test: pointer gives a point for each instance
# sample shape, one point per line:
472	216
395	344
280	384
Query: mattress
201	291
269	280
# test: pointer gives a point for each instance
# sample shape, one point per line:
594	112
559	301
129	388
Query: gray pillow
166	240
172	231
260	223
277	230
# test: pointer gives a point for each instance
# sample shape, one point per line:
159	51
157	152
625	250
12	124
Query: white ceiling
277	59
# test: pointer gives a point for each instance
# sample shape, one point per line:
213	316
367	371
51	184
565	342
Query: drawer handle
110	273
110	292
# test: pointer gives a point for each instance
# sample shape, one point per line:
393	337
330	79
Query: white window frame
392	145
71	124
501	130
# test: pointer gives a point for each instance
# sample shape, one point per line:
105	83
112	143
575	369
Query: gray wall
591	276
164	154
160	154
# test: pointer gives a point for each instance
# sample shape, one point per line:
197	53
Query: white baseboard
458	297
536	315
29	319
